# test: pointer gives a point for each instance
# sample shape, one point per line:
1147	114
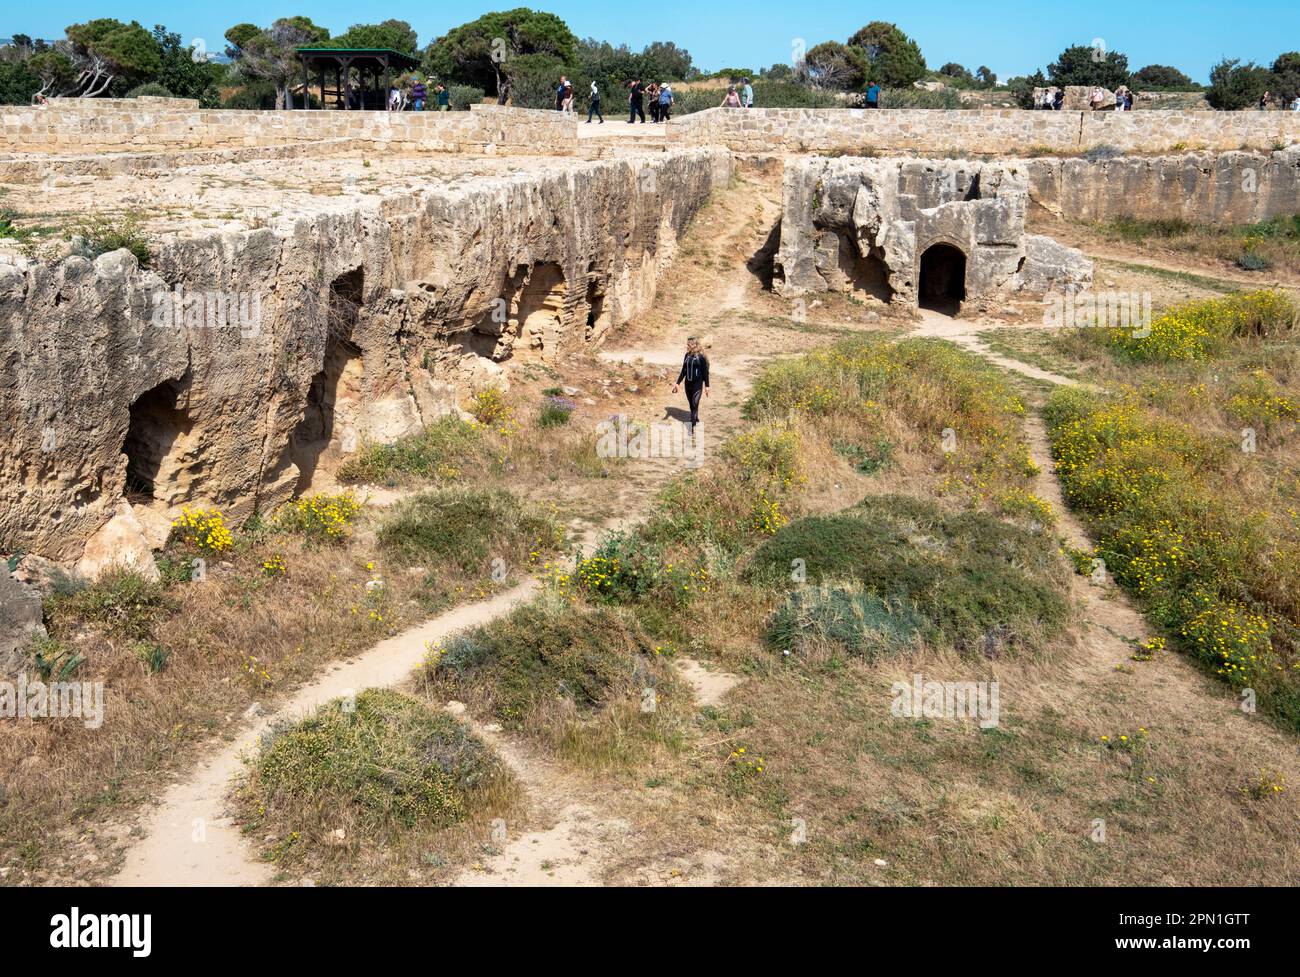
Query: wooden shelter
377	65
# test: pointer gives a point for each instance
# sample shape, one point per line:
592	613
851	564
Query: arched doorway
942	283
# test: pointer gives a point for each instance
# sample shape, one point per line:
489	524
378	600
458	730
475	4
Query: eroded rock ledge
239	361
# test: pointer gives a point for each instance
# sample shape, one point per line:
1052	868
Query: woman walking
695	371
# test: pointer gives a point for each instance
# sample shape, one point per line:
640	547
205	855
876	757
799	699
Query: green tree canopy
272	53
396	35
832	66
892	58
1081	64
183	76
1234	85
1162	77
105	51
484	51
1286	75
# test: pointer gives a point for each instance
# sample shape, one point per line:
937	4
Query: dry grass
238	637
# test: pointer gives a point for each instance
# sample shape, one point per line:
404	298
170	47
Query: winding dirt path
190	839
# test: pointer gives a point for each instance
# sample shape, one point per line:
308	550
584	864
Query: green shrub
977	582
628	568
468	528
321	517
555	411
388	759
102	233
848	615
463	96
149	88
1202	329
542	653
121	600
439	452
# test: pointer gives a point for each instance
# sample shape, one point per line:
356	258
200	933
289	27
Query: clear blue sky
1011	37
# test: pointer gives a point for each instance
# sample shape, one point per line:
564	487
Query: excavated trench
372	317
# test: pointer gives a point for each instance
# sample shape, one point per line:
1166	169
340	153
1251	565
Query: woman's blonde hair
692	345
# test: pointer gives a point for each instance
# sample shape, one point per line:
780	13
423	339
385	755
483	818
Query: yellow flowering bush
1202	565
1200	330
204	530
1270	784
319	517
488	406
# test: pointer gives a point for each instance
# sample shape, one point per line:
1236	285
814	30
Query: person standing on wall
695	372
635	100
747	94
418	93
594	106
873	96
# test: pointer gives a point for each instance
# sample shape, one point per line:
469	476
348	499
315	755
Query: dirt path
190	839
1170	689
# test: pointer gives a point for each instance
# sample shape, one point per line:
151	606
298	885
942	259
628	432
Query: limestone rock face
914	230
240	362
21	620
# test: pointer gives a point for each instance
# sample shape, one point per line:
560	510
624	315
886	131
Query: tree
664	60
1161	77
1286	75
396	35
54	70
892	58
18	83
1234	85
272	53
482	53
957	72
181	74
105	51
835	67
985	76
1022	88
1084	65
778	72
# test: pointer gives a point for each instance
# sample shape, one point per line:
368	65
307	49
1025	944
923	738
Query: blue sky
1011	37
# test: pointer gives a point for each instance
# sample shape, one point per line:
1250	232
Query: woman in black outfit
695	371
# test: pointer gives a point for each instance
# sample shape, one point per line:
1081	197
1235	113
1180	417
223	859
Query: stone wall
136	125
1232	188
1002	131
370	320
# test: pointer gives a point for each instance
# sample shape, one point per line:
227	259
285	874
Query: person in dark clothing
635	101
695	372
